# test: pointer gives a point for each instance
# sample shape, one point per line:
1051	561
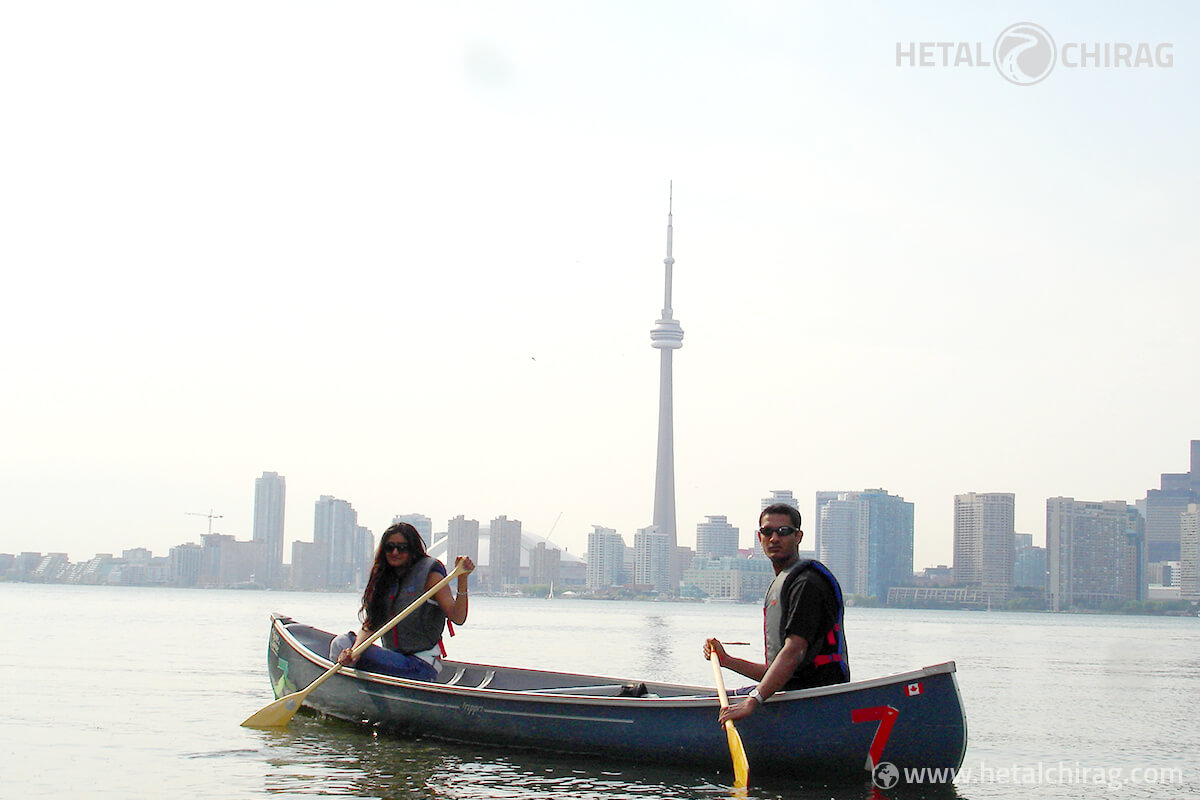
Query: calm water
139	693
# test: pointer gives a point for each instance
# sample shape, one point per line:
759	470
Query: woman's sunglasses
399	547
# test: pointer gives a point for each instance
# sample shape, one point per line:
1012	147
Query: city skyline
1096	553
412	267
336	524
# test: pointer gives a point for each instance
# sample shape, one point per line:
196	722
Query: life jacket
422	629
833	649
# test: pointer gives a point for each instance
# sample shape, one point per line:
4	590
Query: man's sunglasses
399	547
782	530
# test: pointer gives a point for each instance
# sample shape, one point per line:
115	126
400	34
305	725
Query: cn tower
666	337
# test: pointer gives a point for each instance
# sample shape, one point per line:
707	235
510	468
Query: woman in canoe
402	572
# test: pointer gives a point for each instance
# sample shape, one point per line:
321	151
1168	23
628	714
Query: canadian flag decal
912	689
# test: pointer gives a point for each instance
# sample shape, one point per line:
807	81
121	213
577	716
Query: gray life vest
833	649
421	629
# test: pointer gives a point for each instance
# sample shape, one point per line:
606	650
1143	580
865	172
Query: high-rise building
605	558
309	561
1029	564
545	564
228	562
784	496
812	537
1164	506
184	564
504	552
270	491
1189	552
666	337
867	540
1095	552
335	528
842	540
984	538
652	558
422	523
1164	509
716	538
741	579
215	557
462	539
364	555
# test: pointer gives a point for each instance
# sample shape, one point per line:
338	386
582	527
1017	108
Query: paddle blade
277	714
741	764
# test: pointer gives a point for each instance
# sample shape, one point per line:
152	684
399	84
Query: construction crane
211	516
552	527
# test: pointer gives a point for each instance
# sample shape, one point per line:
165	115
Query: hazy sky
409	254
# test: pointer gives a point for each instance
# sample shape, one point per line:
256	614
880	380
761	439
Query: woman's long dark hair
373	612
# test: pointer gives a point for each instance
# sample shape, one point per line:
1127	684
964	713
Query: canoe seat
456	678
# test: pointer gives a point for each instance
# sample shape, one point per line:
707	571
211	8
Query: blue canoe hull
913	719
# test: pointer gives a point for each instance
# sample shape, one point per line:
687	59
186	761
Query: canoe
913	719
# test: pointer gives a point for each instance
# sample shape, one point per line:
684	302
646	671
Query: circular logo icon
1024	53
885	775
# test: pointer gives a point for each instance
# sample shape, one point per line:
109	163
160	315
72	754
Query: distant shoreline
1173	608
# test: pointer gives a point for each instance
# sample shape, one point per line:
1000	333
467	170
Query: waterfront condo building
866	540
1189	554
605	558
984	543
652	559
462	539
716	538
336	530
1164	507
812	535
545	565
270	492
504	552
1096	553
784	496
422	523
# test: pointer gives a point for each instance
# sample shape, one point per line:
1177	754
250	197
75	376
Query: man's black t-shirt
810	611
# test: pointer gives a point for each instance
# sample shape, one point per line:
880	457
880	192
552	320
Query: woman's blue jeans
384	661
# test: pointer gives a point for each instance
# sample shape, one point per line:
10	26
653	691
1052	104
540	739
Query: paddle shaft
720	679
741	765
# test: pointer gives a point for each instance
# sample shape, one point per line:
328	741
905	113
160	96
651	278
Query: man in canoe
401	574
805	643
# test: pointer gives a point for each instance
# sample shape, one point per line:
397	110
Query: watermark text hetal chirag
886	775
1026	53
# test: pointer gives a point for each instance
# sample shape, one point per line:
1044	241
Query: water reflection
326	757
657	647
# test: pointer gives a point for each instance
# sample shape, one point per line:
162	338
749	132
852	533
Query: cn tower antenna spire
669	261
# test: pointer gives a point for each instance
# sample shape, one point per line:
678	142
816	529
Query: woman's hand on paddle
465	562
714	645
346	658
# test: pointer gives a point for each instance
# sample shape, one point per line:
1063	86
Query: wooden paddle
741	765
279	713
